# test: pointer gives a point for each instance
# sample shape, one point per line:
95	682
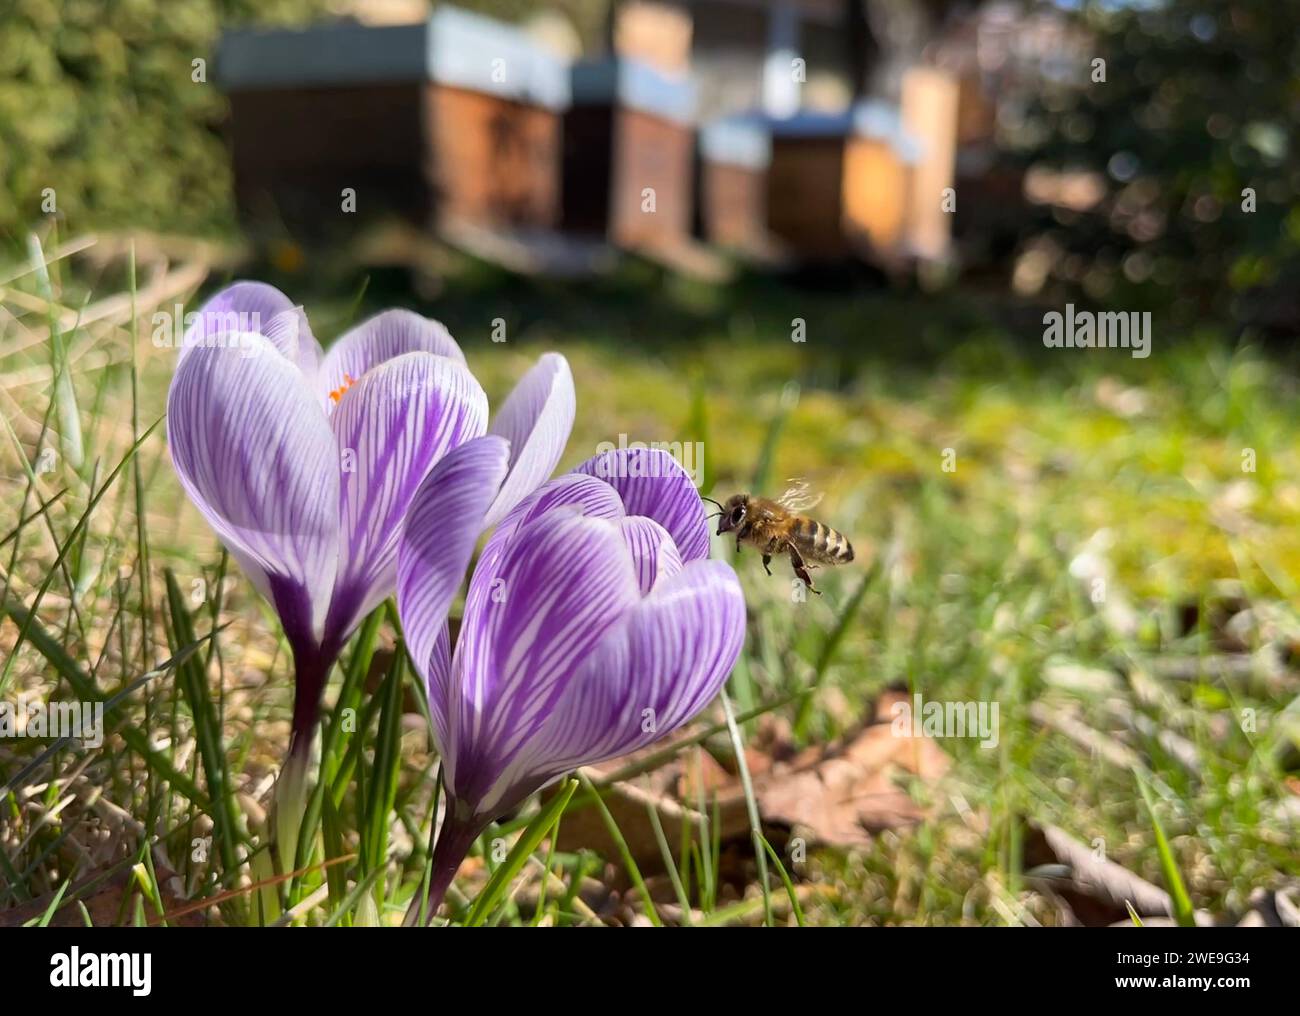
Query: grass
1061	533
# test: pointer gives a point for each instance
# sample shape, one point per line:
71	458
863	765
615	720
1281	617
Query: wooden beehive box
734	154
453	120
840	184
629	146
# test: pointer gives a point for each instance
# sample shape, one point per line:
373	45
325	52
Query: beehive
628	154
731	195
456	119
840	184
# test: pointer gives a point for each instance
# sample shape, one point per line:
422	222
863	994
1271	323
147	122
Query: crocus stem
311	667
455	838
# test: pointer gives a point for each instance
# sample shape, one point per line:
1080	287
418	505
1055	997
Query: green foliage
98	102
1197	106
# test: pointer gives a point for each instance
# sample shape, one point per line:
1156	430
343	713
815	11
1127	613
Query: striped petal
561	584
438	537
255	307
655	670
256	456
377	340
585	495
652	483
392	426
536	419
653	551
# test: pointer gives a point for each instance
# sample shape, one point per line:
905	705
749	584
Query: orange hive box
840	183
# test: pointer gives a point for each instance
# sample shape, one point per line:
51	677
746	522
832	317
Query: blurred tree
106	119
1192	128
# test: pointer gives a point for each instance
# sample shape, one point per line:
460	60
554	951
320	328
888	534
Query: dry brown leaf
836	795
841	794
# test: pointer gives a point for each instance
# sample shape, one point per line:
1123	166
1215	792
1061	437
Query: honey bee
780	527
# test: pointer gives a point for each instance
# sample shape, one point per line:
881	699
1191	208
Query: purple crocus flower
593	624
304	463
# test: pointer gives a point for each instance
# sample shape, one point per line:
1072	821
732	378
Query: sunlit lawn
1021	515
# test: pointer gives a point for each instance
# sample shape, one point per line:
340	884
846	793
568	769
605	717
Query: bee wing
798	497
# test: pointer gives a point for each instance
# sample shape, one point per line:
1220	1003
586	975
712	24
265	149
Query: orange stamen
337	393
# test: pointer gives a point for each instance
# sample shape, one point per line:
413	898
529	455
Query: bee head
733	513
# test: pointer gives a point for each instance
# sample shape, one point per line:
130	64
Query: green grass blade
45	918
85	689
22	523
193	680
141	535
385	770
762	477
528	842
625	852
82	522
751	805
785	879
670	866
17	781
65	396
829	648
697	429
1184	913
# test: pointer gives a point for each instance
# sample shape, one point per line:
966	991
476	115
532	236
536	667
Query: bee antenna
713	502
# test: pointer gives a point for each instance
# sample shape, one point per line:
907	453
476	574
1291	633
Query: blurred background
1103	148
812	239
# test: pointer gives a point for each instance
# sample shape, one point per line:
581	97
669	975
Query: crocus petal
290	333
437	683
652	483
244	307
438	537
536	419
561	584
662	664
394	424
257	457
653	551
585	495
377	340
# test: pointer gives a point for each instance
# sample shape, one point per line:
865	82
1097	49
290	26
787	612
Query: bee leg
800	569
767	560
